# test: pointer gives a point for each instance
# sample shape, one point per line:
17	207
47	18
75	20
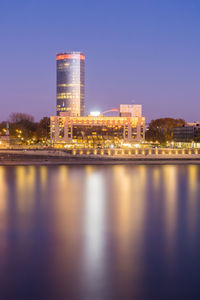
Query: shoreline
54	162
37	157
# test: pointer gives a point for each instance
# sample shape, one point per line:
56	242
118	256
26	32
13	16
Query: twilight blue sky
145	51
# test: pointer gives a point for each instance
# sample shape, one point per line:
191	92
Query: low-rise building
186	133
94	131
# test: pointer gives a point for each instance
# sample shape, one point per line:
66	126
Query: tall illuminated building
70	83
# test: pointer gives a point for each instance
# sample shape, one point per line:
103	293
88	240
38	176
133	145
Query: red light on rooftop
70	56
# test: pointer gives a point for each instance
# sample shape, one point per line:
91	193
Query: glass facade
185	133
95	131
70	92
98	133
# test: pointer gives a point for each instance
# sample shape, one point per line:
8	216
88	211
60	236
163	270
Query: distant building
130	110
70	92
186	133
98	130
193	124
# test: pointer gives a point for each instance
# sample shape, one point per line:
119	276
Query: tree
24	130
2	127
43	128
22	126
161	130
18	117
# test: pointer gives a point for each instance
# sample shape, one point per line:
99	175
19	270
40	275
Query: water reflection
170	198
43	177
3	191
128	211
156	178
94	229
3	212
99	232
193	189
25	188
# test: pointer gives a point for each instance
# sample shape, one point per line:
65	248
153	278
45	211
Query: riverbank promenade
98	156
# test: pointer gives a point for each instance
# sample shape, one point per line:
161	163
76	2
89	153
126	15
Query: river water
100	232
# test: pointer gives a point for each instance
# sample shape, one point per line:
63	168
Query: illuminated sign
70	56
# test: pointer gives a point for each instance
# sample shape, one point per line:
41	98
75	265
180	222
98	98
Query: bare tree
18	117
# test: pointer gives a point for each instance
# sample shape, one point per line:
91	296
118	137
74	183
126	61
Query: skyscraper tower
70	83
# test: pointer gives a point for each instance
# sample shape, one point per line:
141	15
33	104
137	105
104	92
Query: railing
161	152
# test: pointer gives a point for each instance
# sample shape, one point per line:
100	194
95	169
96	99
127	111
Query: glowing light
137	145
95	113
70	56
126	145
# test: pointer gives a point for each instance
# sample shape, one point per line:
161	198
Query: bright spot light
95	113
127	145
136	145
